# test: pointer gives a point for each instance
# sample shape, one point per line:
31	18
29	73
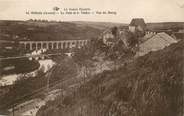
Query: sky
150	10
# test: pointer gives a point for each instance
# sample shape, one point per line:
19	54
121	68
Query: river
45	65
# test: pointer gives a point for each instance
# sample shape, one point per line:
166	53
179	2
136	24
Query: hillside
165	25
32	30
98	25
152	85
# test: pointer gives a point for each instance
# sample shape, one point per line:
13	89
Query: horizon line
87	21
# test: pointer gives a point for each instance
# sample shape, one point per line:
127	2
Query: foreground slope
152	85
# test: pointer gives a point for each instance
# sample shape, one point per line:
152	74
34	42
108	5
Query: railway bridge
63	44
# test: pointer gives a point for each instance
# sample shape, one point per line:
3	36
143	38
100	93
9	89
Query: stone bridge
64	44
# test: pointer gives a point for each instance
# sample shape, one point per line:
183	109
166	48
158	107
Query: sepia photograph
91	57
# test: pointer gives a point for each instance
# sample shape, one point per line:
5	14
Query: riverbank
16	66
44	66
26	84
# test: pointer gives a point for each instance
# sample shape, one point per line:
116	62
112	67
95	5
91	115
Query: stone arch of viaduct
64	44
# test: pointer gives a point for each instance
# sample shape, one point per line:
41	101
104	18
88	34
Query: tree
40	72
83	59
132	39
115	31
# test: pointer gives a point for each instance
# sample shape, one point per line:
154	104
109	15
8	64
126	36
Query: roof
157	42
107	31
138	22
166	37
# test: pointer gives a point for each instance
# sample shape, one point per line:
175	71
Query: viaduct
64	44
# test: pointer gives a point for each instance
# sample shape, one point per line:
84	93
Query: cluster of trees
42	20
131	37
126	43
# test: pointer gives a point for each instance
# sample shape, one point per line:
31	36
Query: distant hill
165	25
149	86
99	25
35	30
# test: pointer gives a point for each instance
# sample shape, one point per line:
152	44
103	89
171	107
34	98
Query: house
108	37
123	36
137	24
157	42
110	42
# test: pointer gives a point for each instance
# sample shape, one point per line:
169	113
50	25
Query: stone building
123	35
137	24
108	37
